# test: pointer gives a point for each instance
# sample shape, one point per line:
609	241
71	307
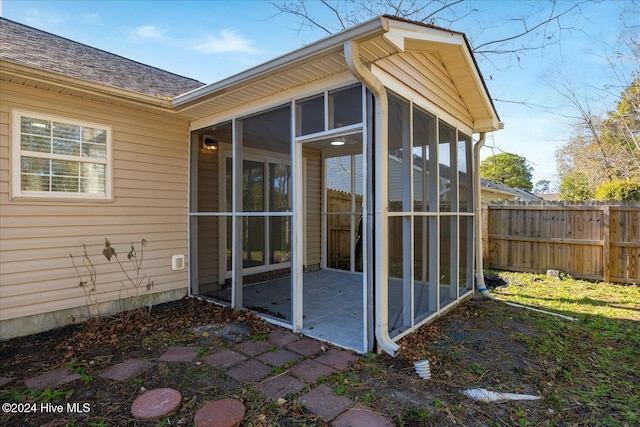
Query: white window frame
17	153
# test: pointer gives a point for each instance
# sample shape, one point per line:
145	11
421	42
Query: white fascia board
425	33
396	40
489	124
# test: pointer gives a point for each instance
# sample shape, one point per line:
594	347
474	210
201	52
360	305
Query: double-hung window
58	157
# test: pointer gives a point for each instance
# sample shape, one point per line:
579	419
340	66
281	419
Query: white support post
454	256
192	221
297	243
236	218
407	226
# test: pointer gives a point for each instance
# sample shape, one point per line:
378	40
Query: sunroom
332	190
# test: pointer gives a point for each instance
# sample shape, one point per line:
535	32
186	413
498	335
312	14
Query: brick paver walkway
284	366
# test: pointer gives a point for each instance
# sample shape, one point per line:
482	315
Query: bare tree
605	146
540	26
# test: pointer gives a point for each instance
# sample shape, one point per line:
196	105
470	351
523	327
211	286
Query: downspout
480	284
366	77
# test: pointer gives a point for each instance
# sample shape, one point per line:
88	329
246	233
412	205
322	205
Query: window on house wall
58	157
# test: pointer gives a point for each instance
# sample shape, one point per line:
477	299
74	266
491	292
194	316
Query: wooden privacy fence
339	227
586	240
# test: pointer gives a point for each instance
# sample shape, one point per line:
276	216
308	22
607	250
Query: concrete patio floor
334	305
332	300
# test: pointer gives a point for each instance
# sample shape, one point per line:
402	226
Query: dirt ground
480	344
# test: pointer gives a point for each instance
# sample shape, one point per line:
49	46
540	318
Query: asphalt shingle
28	46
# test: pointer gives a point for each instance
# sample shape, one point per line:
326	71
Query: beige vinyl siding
149	201
208	227
490	195
426	74
313	224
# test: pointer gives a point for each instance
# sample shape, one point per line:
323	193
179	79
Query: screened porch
332	189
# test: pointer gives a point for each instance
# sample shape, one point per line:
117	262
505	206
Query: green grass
594	361
31	396
572	297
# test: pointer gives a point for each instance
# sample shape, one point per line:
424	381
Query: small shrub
414	415
619	190
575	187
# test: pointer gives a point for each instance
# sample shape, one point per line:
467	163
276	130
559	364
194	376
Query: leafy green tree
542	187
575	187
619	190
508	169
605	148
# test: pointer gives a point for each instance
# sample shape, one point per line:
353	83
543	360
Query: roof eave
439	39
39	76
322	47
489	124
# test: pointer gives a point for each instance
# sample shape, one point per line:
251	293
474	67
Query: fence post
606	250
484	223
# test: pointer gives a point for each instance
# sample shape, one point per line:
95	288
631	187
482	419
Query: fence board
591	241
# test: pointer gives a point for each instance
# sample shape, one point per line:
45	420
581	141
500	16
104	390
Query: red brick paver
280	338
52	379
253	347
221	413
337	359
224	359
156	404
250	371
280	386
310	370
306	346
126	370
362	417
6	380
179	354
324	402
249	363
278	358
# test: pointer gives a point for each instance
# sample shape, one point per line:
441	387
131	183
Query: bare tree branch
437	11
553	17
299	10
335	12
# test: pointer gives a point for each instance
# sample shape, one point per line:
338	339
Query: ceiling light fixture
338	142
210	144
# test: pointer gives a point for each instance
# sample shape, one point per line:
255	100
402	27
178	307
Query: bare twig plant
88	286
135	287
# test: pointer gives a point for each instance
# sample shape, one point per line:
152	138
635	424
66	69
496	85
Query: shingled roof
28	46
519	194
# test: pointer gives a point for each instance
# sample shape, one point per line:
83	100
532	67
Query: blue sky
210	40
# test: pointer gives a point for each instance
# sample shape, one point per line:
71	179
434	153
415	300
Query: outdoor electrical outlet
177	262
